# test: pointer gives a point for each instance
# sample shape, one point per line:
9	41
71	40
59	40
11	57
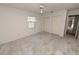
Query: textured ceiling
35	7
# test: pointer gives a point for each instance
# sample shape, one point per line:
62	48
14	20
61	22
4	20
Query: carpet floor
42	43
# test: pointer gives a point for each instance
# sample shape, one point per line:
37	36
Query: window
31	21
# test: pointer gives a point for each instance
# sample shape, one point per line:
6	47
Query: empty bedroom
39	28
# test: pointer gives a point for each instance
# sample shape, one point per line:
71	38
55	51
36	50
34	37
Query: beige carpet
41	44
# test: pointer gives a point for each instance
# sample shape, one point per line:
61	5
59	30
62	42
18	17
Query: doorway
72	26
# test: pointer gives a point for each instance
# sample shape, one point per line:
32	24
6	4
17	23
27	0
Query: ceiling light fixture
41	9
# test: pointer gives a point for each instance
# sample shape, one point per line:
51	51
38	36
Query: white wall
13	24
55	22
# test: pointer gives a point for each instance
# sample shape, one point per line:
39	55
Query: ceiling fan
42	9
